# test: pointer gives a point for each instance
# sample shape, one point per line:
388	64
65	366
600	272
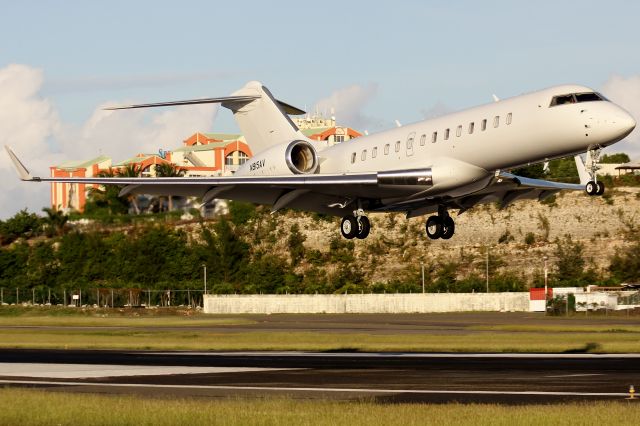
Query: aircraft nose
628	123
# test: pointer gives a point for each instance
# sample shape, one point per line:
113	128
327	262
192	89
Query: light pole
546	275
204	266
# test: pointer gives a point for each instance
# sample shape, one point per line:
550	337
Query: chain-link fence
101	297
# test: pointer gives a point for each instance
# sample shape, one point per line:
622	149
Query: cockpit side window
563	99
572	98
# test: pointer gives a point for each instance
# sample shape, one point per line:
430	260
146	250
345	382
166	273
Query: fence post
33	296
149	297
17	295
2	295
64	297
49	297
112	305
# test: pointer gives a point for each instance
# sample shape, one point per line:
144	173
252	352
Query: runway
384	377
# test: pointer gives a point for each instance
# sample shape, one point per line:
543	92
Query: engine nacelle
297	157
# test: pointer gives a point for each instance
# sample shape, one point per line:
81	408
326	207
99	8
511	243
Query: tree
131	170
105	199
534	171
618	158
295	244
55	222
625	265
22	224
169	170
570	261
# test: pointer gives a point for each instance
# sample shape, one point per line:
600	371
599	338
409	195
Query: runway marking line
307	389
575	375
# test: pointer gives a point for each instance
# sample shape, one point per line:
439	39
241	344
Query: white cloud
30	124
348	104
626	93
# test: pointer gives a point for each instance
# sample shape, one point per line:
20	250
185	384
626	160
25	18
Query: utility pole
422	267
487	269
205	278
546	275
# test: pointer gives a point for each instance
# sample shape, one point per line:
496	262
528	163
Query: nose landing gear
593	187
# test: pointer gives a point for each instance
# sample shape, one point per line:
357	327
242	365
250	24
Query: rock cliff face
601	224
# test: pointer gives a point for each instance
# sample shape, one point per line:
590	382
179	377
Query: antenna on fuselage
398	124
495	98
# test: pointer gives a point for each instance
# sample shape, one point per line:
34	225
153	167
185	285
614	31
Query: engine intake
301	157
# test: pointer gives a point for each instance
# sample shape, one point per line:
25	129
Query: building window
398	146
364	155
236	158
339	138
423	138
508	119
471	126
496	121
434	137
353	158
386	149
459	131
483	127
374	152
446	135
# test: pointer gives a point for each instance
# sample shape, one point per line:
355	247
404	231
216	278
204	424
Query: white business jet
452	162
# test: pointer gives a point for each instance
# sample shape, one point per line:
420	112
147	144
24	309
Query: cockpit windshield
573	98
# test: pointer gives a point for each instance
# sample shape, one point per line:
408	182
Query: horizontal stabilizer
289	109
230	99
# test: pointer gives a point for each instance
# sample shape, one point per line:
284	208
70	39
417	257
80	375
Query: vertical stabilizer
263	121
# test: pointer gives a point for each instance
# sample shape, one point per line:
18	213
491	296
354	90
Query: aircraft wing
505	188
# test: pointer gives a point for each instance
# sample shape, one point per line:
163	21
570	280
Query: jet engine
298	157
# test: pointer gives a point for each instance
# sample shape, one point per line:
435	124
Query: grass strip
193	339
105	321
37	407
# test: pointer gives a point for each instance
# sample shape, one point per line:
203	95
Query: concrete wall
366	303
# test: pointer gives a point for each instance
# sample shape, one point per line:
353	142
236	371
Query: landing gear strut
593	187
440	226
355	226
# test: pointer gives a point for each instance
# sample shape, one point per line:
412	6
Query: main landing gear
593	187
355	226
440	226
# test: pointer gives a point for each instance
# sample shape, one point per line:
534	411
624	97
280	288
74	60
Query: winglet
23	173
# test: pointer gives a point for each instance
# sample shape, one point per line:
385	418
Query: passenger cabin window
483	126
423	138
471	126
509	118
353	158
459	131
386	149
446	135
496	121
364	155
374	152
573	98
398	146
434	137
410	143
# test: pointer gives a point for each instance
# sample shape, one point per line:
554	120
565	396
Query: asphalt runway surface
381	377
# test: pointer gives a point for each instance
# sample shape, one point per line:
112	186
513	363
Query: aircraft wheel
591	188
448	228
349	227
600	189
364	228
434	227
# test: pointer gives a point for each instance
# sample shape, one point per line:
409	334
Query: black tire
448	228
349	227
365	227
434	227
600	189
591	188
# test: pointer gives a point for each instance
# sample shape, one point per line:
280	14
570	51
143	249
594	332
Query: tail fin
264	121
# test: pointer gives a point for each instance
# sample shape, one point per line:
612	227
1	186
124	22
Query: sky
62	62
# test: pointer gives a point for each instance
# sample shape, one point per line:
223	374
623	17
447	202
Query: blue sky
399	60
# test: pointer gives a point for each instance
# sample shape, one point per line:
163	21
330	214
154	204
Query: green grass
317	341
35	407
